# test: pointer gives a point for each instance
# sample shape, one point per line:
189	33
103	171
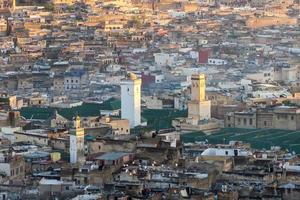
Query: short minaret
198	108
131	99
77	142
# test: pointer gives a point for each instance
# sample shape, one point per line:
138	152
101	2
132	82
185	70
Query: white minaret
77	142
131	99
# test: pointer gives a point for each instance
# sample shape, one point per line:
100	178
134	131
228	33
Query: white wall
263	76
131	101
77	147
72	83
176	14
73	149
287	74
159	78
5	167
164	59
8	133
224	152
194	55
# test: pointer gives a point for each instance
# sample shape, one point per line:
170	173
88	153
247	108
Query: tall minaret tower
131	99
198	108
13	5
198	87
77	142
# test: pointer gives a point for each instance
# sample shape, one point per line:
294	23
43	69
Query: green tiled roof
36	113
85	110
161	119
4	100
258	138
89	137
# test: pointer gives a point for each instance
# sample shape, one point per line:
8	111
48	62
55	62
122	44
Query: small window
226	153
128	89
250	121
292	117
265	123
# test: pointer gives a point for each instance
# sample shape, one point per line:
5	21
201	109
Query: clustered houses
131	99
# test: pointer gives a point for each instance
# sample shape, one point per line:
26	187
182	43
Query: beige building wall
264	120
106	146
152	102
38	101
35	139
13	102
68	2
199	110
245	120
58	84
286	121
284	117
120	126
229	120
15	168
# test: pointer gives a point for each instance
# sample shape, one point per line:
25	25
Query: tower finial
77	121
132	76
